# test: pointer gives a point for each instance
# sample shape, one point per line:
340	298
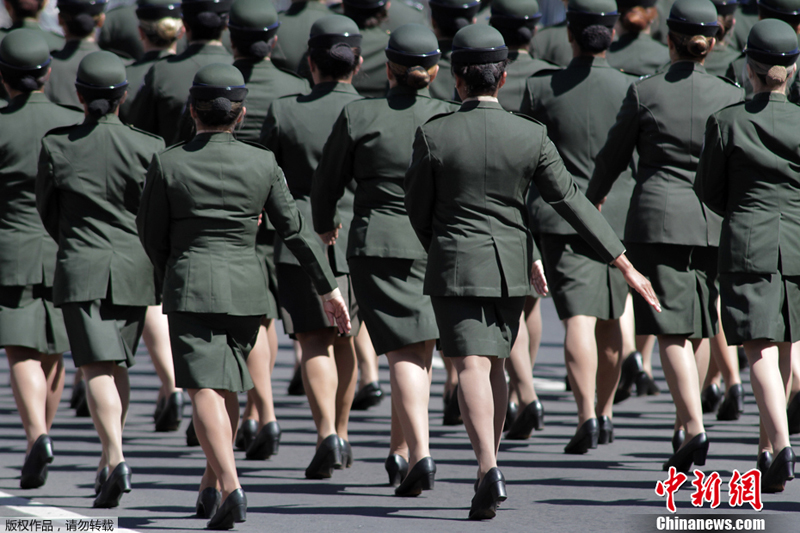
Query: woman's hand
538	280
336	309
329	237
599	205
637	281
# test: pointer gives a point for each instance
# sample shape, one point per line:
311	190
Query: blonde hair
162	32
415	77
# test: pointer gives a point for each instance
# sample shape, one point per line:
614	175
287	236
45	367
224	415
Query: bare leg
533	321
452	377
713	376
702	356
609	350
108	392
628	327
397	442
724	357
680	369
320	378
156	337
482	397
260	363
410	371
795	386
37	381
345	360
367	358
645	345
770	377
519	369
216	415
580	354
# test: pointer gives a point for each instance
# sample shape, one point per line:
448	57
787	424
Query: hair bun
209	19
776	75
259	49
221	104
699	46
28	84
99	107
342	52
83	23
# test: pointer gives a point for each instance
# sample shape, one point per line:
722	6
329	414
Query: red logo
742	488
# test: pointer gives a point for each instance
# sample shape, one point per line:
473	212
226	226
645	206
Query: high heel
694	451
267	442
733	405
793	415
191	435
246	434
512	411
779	472
233	510
763	462
585	438
34	470
118	482
397	468
710	398
347	455
327	457
605	433
421	477
452	412
646	386
170	417
491	491
159	408
99	479
207	502
370	395
532	417
677	439
632	367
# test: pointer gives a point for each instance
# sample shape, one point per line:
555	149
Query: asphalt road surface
611	488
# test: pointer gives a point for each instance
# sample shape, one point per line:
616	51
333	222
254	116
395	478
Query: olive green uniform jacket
663	117
579	105
521	67
465	196
54	41
371	81
160	101
371	143
120	33
719	61
60	87
296	130
293	32
551	44
746	16
136	72
443	86
405	12
27	252
638	54
88	192
198	224
748	173
737	71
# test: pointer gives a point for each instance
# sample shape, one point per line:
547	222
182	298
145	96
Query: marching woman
88	191
198	222
669	234
31	328
295	131
465	196
371	144
748	174
636	52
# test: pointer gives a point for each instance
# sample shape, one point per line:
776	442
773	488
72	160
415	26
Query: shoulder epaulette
255	145
137	130
173	146
732	82
70	107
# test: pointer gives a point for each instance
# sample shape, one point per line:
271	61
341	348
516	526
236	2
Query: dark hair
217	112
367	18
25	82
26	9
519	36
250	48
592	39
638	19
338	62
416	77
100	103
725	25
80	24
447	24
481	79
206	25
691	46
791	20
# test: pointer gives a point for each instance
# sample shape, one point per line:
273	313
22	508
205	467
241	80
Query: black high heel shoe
605	433
733	405
779	472
793	415
34	470
710	398
266	444
452	412
677	439
170	417
347	454
207	502
233	510
191	435
370	395
763	462
632	367
646	386
491	491
694	451
99	479
511	414
585	438
246	434
421	477
397	468
118	482
327	457
159	409
532	417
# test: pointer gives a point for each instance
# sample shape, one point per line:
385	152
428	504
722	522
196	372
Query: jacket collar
402	90
770	97
687	65
333	86
588	61
480	104
215	137
110	118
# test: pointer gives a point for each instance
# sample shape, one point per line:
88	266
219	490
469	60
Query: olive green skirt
301	306
477	326
209	350
29	319
391	303
580	282
760	306
101	331
684	280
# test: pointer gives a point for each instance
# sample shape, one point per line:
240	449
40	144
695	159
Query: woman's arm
153	219
46	193
420	190
711	182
